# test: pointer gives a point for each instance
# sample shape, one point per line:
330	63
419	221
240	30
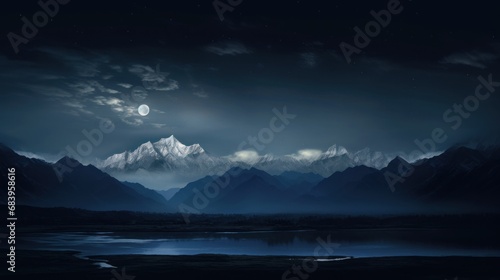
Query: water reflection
355	243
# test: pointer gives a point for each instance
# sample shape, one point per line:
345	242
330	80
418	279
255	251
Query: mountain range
43	184
459	180
169	155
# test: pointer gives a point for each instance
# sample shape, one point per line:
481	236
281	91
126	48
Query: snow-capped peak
169	141
172	146
170	155
146	147
335	151
147	153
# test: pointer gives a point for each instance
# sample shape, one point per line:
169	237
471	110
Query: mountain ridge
460	180
39	183
170	155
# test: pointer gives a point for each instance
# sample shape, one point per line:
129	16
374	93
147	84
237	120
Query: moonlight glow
143	110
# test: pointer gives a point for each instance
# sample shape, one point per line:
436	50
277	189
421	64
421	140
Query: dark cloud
216	83
228	48
474	59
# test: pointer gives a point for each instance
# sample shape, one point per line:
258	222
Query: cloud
86	64
44	157
117	68
102	88
170	85
140	69
158	111
228	48
49	77
200	94
86	68
309	59
111	101
73	101
126	112
198	91
133	122
159	125
474	59
125	85
246	156
307	154
49	91
77	107
138	94
154	79
82	88
89	87
417	156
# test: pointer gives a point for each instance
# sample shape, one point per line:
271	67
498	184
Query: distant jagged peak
336	150
172	146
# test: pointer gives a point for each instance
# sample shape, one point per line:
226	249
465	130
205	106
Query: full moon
143	110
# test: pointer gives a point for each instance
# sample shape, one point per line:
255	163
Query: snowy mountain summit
169	155
171	146
166	154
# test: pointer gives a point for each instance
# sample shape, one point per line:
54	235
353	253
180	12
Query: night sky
217	82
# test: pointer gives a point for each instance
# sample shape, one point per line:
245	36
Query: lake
355	243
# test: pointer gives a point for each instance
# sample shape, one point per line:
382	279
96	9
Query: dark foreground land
64	265
47	220
31	264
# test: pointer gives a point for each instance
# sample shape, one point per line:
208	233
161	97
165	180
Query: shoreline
66	264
